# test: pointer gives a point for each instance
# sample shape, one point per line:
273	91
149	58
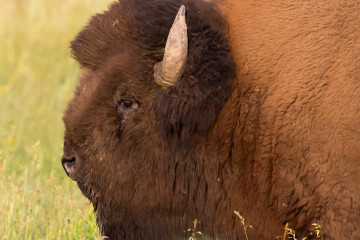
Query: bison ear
191	104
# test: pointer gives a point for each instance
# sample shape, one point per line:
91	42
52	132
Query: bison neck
222	173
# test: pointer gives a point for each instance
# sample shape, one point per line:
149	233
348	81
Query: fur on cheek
192	105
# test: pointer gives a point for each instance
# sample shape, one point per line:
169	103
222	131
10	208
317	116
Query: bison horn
169	71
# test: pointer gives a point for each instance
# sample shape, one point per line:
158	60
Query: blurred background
37	78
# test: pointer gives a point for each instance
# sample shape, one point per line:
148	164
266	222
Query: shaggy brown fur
279	144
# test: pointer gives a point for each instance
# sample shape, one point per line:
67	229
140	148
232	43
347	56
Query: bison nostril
67	159
69	165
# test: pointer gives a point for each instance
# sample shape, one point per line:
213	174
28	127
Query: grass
37	77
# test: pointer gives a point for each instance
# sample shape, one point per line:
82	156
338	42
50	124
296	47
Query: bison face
110	127
125	134
113	147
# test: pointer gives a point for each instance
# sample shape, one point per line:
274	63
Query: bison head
138	109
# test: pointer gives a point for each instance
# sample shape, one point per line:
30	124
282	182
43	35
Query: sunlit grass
37	76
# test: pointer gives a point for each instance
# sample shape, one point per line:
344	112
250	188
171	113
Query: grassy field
37	76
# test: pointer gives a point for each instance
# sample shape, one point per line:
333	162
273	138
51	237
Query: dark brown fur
279	142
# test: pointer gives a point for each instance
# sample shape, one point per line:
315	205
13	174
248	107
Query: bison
191	110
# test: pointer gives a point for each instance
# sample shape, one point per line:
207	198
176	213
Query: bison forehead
125	73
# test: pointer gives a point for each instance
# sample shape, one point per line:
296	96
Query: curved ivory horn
169	71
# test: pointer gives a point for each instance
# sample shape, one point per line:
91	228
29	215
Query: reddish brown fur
284	147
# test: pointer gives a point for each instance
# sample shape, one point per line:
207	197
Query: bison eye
126	106
127	103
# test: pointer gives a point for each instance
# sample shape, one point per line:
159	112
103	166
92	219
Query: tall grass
37	76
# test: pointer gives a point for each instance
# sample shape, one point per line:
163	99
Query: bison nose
69	166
